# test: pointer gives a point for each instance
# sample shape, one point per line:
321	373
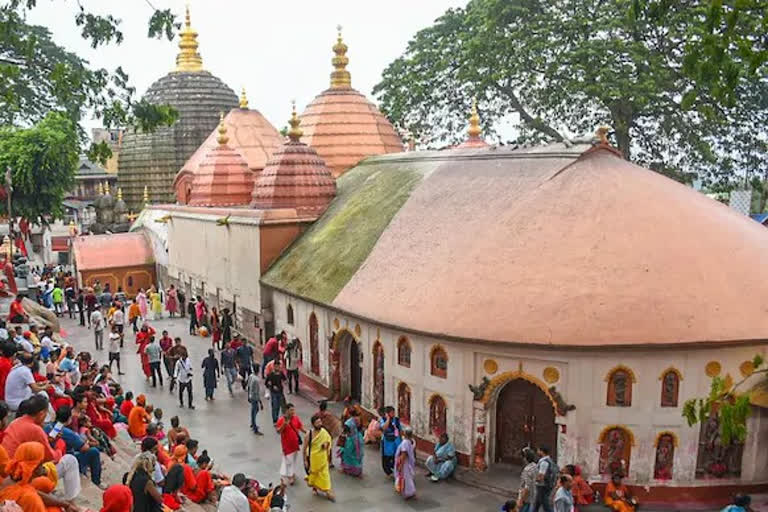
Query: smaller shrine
112	215
475	139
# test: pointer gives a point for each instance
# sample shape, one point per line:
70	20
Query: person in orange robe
581	491
204	481
180	459
617	495
100	417
138	418
26	465
144	338
117	498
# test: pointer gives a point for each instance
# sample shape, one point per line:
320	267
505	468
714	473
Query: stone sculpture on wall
665	455
714	459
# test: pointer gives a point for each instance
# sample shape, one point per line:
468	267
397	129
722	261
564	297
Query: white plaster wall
582	383
223	259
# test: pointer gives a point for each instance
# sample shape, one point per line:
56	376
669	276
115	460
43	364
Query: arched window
437	415
620	381
438	362
289	314
314	345
404	402
665	456
403	352
670	387
378	375
615	450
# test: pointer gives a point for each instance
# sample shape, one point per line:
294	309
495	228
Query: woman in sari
352	451
172	301
180	458
117	498
100	415
317	453
442	464
144	338
405	465
210	368
617	496
581	491
174	481
26	466
157	304
141	300
215	328
206	482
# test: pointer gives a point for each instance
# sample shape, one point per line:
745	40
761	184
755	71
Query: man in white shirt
183	375
114	349
25	343
97	321
3	331
118	320
233	498
20	383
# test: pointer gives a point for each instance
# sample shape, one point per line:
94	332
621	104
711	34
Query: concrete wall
581	382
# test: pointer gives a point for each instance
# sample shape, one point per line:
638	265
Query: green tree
726	400
564	67
42	160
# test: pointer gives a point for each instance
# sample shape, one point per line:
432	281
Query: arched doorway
346	368
314	345
356	372
524	417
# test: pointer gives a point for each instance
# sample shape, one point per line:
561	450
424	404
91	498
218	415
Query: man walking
155	356
269	353
228	364
274	383
118	320
114	349
183	375
546	476
97	321
70	297
58	299
174	354
527	494
292	360
254	397
289	426
245	361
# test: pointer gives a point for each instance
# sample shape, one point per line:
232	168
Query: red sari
100	420
203	488
142	340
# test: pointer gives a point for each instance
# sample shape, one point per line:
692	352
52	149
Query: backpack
552	474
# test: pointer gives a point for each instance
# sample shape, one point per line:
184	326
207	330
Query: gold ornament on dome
474	122
243	100
295	132
713	369
747	368
222	138
188	58
551	374
340	77
490	366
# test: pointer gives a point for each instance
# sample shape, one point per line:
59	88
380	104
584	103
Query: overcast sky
278	50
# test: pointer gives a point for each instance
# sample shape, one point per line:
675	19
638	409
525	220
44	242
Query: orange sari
203	488
137	422
618	505
27	458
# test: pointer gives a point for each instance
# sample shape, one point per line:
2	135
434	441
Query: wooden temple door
524	417
355	372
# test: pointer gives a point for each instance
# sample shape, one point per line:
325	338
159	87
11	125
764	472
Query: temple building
342	125
154	159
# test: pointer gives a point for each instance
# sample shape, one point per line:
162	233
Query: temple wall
579	378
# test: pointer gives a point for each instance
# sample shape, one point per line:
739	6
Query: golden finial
188	58
474	122
106	188
100	188
222	137
295	132
602	135
146	195
340	77
132	216
243	100
119	193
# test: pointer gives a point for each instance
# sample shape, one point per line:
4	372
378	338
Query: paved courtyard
221	427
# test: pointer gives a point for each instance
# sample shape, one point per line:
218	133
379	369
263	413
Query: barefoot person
317	453
405	465
288	426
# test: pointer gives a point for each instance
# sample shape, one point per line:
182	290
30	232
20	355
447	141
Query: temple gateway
554	295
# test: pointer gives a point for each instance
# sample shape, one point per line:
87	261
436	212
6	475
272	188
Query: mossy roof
321	262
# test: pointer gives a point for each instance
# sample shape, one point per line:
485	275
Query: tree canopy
564	67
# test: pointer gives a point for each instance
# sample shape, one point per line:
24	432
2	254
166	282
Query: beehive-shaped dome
342	125
153	159
295	177
222	178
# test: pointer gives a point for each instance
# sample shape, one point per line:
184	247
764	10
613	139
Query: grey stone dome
153	159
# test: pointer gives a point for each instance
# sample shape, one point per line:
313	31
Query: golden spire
222	138
119	193
106	187
340	77
100	189
146	195
243	100
188	58
602	135
295	132
474	122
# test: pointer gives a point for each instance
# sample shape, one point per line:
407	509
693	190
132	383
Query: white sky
278	50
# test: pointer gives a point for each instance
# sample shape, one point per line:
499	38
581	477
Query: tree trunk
623	118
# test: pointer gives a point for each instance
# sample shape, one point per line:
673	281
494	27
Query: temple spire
474	130
188	58
295	132
340	77
222	137
243	100
100	189
119	193
106	188
146	195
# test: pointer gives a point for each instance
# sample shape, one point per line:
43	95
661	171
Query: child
158	422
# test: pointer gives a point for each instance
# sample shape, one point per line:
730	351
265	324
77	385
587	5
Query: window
665	456
615	450
620	387
404	402
289	314
130	281
437	415
670	386
439	362
314	345
403	352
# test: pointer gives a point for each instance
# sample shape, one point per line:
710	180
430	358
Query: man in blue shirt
87	456
390	439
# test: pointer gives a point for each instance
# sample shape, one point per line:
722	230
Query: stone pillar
480	441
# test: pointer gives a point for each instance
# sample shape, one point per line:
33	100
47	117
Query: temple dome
222	178
153	159
250	135
342	125
295	177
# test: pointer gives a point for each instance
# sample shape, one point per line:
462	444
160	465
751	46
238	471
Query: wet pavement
221	426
